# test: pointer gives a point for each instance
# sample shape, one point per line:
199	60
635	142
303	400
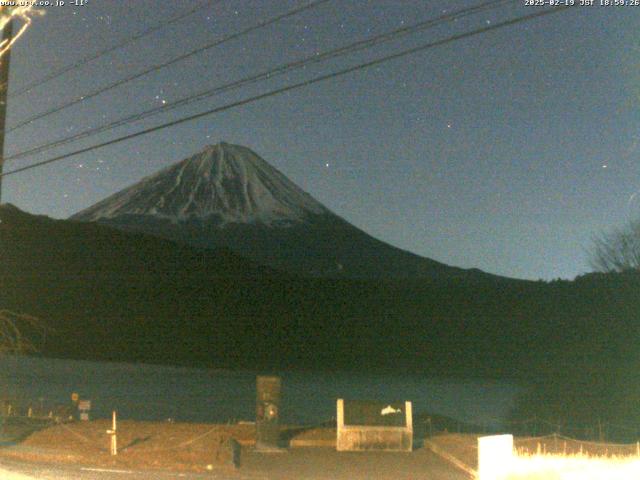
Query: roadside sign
83	408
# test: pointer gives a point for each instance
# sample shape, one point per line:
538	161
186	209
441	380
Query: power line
90	58
269	74
296	86
174	60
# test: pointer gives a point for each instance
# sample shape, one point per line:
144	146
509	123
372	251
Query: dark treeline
108	295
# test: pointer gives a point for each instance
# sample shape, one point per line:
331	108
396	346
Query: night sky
506	151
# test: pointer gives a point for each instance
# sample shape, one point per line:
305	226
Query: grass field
200	447
148	445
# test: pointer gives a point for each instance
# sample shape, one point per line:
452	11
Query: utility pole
7	34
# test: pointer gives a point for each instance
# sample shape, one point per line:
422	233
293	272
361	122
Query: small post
638	449
600	432
112	432
430	423
114	440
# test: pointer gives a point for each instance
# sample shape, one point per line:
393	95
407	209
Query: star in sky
520	112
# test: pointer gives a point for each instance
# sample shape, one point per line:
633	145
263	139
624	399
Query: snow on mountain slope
223	184
228	197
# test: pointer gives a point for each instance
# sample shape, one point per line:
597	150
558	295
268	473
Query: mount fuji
226	196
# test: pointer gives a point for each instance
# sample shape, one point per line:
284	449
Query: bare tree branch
617	251
20	333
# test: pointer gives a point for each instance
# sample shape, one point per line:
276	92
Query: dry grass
150	445
563	458
553	458
574	467
200	447
141	445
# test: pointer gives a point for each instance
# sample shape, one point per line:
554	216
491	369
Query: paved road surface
17	470
294	464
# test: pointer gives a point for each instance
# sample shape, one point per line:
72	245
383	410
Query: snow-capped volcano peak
228	197
223	183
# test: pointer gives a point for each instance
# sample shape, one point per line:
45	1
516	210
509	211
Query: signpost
84	406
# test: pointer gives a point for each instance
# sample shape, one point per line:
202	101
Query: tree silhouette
20	333
618	250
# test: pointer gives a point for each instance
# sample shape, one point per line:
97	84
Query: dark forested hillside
111	295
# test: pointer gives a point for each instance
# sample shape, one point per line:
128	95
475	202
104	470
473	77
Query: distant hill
227	196
109	294
113	295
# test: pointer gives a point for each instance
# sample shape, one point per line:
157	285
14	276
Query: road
19	470
294	464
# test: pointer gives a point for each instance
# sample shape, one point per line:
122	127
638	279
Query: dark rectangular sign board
375	414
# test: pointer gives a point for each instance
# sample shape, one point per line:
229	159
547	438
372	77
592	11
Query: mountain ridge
163	302
228	196
227	182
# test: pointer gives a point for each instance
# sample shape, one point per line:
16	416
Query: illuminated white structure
495	457
374	426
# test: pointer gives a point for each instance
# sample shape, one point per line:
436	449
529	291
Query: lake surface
150	392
